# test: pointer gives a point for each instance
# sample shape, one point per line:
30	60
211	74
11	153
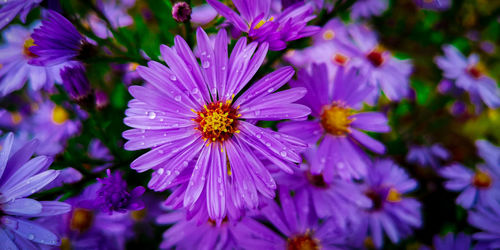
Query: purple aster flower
58	41
116	13
368	8
469	75
487	219
338	198
83	228
427	155
188	112
51	125
391	212
477	186
333	105
261	25
438	5
75	82
382	69
15	70
22	177
451	241
298	226
203	14
11	8
112	195
181	12
97	150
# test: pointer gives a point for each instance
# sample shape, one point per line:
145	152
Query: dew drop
152	115
268	144
270	90
283	153
176	172
206	64
178	98
31	237
259	136
185	163
168	172
195	91
223	68
173	78
161	170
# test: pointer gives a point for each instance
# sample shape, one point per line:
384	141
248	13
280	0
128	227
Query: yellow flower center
16	118
81	219
340	59
132	66
262	22
138	215
481	179
328	35
217	121
335	119
394	195
303	242
65	243
26	48
59	115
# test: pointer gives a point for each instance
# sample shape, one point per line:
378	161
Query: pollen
302	242
262	22
335	119
481	179
328	35
393	195
217	121
340	59
59	115
16	117
26	48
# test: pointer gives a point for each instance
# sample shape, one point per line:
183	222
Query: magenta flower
469	75
391	212
116	13
261	25
427	155
336	123
368	8
189	113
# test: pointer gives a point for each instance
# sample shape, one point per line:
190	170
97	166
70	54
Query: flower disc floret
302	242
335	119
217	121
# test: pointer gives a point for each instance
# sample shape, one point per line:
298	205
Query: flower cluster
218	124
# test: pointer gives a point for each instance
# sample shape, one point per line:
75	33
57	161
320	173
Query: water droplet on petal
152	115
161	170
206	64
283	153
168	172
173	78
31	237
178	98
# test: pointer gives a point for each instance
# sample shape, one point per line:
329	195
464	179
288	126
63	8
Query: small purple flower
11	8
15	70
112	195
203	14
181	12
486	218
391	212
116	13
187	113
438	5
333	105
427	155
368	8
97	150
262	26
75	82
298	226
382	69
22	177
479	186
469	75
339	198
58	41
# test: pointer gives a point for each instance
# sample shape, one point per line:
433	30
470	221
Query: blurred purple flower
112	195
368	8
427	155
203	14
333	105
116	13
58	41
262	26
477	186
181	12
187	111
339	198
11	8
97	150
22	177
15	70
451	241
487	219
380	67
438	5
391	212
469	75
75	82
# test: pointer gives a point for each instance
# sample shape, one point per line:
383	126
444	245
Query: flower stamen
217	121
336	120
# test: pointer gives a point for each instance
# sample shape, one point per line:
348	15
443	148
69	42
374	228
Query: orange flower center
217	121
335	119
316	180
481	179
475	71
376	57
81	220
26	48
302	242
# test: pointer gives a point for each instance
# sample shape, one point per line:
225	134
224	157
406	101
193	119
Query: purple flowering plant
266	124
